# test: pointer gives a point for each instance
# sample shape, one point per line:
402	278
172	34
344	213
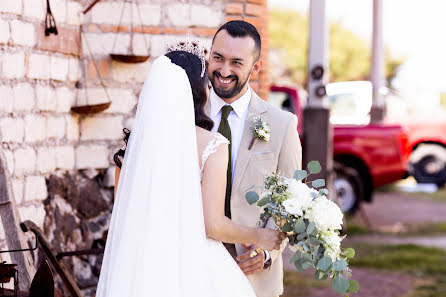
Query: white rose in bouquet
293	207
301	192
332	244
325	213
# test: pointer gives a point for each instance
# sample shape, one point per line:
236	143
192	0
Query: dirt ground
389	210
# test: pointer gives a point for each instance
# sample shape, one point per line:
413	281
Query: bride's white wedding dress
156	244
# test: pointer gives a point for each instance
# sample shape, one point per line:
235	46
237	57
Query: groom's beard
229	93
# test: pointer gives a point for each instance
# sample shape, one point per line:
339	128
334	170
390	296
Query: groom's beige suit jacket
281	154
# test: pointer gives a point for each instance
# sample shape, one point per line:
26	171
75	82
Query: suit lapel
256	107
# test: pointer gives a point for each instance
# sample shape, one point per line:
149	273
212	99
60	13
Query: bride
168	223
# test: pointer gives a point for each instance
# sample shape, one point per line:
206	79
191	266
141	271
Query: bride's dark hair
192	65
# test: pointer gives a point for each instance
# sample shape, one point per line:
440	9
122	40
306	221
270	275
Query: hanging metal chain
50	22
119	25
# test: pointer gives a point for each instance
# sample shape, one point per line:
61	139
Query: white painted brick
58	68
74	14
12	129
150	14
24	97
34	9
160	42
178	14
74	70
59	10
46	159
13	65
55	127
35	128
65	99
23	33
6	98
35	188
72	122
9	156
65	157
129	123
105	43
35	213
92	156
46	98
141	44
101	128
112	16
207	15
124	72
25	161
4	31
39	66
123	101
11	6
17	189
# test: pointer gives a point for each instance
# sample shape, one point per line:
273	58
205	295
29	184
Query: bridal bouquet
312	223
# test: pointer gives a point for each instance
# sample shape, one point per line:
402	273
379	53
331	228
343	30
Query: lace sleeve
211	148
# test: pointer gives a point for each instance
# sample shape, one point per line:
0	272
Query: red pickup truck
366	156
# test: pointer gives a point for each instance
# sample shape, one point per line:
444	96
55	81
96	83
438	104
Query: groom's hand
251	265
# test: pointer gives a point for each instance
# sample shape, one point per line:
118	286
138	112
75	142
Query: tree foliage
350	55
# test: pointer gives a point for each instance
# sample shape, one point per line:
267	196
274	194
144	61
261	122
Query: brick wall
60	162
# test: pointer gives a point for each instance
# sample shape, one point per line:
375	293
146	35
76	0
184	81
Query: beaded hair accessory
193	48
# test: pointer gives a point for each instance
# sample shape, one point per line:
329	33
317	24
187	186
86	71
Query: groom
233	105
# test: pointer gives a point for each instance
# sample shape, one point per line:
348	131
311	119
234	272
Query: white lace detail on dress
211	148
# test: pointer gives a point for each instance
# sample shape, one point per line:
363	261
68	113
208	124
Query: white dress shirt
236	119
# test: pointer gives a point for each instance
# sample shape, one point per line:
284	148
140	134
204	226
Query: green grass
427	264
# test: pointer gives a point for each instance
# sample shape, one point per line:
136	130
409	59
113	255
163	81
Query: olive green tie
225	130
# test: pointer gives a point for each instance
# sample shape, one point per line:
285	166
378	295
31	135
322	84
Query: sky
412	28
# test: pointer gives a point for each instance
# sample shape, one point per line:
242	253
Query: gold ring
255	252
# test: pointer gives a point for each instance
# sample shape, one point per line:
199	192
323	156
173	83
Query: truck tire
349	189
428	164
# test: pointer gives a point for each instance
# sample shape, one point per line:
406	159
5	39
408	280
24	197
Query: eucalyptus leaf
296	257
320	275
301	236
318	183
300	226
300	262
263	201
252	197
310	227
314	240
324	264
340	265
354	286
305	247
349	253
307	265
300	174
287	227
340	285
314	167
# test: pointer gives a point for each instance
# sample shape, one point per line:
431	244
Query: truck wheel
428	164
349	189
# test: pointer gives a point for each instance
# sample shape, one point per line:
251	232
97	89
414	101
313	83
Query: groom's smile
231	63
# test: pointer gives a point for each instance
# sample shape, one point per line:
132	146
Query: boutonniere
260	130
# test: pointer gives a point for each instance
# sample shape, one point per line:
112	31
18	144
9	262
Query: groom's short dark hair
243	29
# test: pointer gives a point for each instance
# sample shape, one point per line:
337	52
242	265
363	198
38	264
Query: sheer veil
156	238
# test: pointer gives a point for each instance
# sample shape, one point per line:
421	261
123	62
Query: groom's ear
256	67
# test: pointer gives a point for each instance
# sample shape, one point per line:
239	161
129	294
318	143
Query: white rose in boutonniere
260	130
